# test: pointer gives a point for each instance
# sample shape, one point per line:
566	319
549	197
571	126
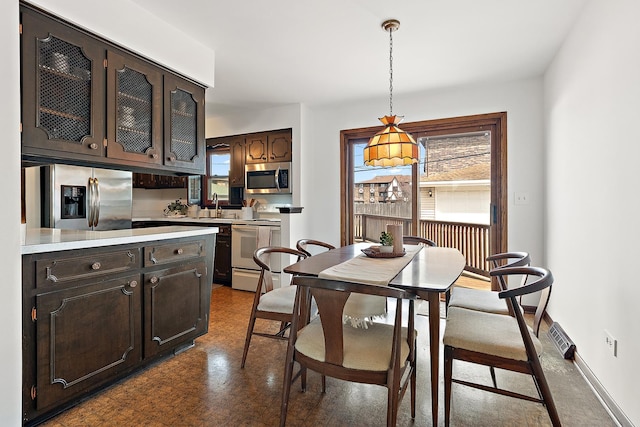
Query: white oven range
245	239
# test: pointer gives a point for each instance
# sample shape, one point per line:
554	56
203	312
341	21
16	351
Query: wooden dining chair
382	354
270	303
489	301
415	240
303	244
485	300
500	340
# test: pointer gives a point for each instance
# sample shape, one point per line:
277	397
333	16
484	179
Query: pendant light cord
390	71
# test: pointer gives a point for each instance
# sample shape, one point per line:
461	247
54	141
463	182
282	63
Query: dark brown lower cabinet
86	335
176	306
88	322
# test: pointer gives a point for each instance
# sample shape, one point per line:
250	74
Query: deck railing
470	239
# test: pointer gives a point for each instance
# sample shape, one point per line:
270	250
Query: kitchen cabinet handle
96	266
171	158
133	283
154	156
93	146
153	280
179	251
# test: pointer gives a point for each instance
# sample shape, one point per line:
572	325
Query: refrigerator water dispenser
73	201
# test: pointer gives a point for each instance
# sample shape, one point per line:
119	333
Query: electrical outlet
611	343
521	198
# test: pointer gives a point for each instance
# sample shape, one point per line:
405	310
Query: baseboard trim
616	413
607	401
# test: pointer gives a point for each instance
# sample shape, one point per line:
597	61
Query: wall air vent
561	340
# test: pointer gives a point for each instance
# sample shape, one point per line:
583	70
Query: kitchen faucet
215	200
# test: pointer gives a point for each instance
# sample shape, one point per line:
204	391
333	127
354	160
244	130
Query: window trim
495	122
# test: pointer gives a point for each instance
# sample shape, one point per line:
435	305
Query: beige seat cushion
279	300
364	349
489	333
477	299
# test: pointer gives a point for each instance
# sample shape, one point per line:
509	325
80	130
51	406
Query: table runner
360	309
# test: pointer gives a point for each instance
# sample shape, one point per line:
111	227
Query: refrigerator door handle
96	205
90	203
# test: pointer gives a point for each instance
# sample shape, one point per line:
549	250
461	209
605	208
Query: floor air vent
563	343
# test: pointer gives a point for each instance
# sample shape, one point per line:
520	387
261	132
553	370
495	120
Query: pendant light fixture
391	146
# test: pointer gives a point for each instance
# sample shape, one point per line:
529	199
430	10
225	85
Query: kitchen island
99	305
53	239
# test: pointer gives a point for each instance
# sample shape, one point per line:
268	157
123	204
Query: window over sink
217	179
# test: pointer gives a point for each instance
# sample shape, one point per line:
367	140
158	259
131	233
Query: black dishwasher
222	260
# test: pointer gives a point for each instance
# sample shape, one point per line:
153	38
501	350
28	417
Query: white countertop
273	222
40	240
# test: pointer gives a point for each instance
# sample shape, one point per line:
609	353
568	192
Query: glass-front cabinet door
134	113
184	125
62	89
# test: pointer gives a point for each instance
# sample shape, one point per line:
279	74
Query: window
460	179
217	179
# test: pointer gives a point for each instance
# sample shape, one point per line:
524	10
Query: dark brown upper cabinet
134	116
256	148
279	146
74	82
184	124
268	147
151	181
62	90
236	169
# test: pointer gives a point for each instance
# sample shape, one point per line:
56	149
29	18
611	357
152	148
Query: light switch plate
521	198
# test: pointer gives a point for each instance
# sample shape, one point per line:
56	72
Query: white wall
10	295
316	149
592	105
129	25
522	100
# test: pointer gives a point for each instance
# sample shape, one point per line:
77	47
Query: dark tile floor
205	386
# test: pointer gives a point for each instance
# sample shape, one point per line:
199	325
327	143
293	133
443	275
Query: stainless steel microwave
268	178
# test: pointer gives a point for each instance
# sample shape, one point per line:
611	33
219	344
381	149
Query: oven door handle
244	228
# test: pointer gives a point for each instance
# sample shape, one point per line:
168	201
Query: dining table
431	272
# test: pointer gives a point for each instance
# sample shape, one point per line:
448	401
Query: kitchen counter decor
375	252
176	209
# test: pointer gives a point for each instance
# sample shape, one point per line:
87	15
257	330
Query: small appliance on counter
82	198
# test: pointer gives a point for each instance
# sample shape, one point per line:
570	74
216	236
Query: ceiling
279	52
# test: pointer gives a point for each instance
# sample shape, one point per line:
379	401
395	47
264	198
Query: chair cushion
488	333
364	349
477	299
279	300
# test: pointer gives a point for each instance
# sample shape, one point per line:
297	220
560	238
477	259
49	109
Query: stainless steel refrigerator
82	198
